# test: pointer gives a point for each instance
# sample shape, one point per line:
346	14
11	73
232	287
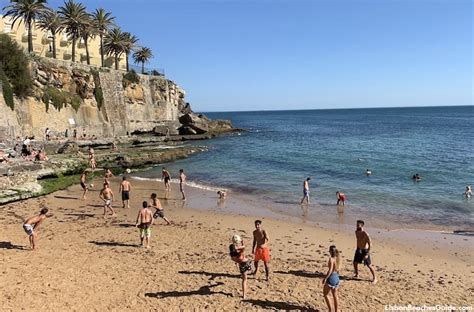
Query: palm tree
102	21
87	30
142	55
129	45
50	21
26	11
74	17
114	44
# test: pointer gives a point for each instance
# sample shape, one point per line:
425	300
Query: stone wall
154	101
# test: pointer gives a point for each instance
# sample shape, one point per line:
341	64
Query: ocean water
334	148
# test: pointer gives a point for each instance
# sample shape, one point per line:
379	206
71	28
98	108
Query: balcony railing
148	71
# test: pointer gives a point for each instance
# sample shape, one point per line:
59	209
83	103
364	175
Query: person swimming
368	172
416	177
468	192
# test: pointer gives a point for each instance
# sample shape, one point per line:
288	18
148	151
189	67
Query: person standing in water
331	280
362	253
165	176
182	180
306	191
341	198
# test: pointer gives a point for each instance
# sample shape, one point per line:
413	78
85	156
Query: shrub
15	66
7	89
60	99
98	94
129	78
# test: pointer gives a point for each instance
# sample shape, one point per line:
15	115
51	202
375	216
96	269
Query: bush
60	99
15	65
7	89
98	94
129	78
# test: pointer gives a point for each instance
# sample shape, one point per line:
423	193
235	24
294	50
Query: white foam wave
188	183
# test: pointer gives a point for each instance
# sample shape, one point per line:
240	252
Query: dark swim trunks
359	256
245	266
83	185
159	213
125	195
167	179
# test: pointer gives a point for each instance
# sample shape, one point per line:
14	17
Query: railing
148	71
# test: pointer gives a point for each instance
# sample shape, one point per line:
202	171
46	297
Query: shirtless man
31	226
144	223
107	196
84	184
125	188
92	161
165	176
362	252
260	248
182	180
107	175
159	213
305	191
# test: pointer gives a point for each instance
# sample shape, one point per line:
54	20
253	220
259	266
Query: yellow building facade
43	46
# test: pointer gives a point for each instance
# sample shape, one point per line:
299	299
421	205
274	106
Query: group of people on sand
331	280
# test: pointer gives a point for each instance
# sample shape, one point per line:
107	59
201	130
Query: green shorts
145	229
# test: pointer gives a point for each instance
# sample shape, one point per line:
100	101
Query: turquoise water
335	147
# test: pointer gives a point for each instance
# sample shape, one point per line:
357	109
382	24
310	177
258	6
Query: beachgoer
306	191
107	175
66	133
331	281
362	253
237	254
222	194
84	135
182	181
165	176
74	133
160	212
47	133
416	177
341	198
107	196
84	183
144	223
125	188
260	248
31	226
368	172
468	192
92	161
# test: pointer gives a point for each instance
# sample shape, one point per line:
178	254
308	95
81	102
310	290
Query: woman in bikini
331	281
237	254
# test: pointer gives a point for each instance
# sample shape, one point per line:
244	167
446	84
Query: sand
85	263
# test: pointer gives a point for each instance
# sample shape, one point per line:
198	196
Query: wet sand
84	262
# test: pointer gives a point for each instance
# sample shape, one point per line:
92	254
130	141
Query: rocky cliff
100	102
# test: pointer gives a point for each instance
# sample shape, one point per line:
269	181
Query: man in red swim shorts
260	248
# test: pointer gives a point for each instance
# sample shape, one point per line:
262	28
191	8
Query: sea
334	147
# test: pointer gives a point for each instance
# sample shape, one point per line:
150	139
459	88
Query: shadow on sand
65	197
202	291
113	244
303	273
279	305
211	275
80	215
125	225
9	245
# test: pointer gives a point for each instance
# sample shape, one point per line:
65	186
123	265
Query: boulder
68	147
185	130
165	130
199	123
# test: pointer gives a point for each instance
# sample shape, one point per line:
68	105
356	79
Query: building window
7	27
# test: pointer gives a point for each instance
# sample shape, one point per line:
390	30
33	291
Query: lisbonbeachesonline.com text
437	307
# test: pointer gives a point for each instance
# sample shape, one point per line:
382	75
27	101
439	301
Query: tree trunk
73	49
101	50
87	51
116	61
30	37
126	60
143	67
54	44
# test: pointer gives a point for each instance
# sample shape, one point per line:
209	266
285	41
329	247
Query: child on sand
107	196
260	248
31	226
144	223
362	252
237	254
341	198
331	281
160	212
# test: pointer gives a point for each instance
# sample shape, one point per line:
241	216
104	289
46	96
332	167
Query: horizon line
339	108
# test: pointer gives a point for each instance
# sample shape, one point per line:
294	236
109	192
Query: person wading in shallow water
305	191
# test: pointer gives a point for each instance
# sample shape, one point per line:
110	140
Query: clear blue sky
296	54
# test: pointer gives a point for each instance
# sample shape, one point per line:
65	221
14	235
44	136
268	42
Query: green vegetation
60	98
15	66
143	55
129	78
7	89
98	94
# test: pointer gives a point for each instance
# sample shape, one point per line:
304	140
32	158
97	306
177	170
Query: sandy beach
86	263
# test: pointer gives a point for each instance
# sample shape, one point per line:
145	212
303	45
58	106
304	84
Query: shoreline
188	266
